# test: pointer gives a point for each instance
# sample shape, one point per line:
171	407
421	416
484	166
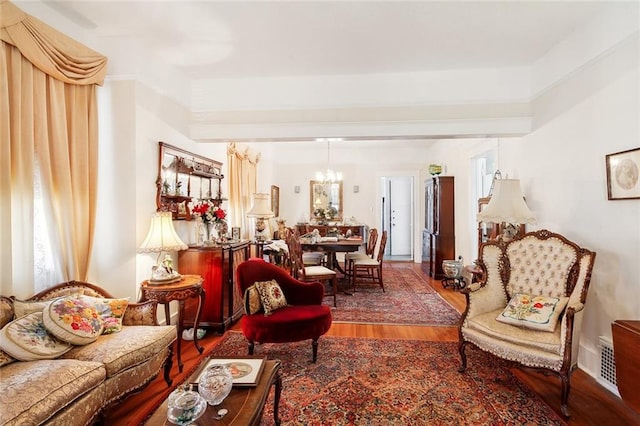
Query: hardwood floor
590	403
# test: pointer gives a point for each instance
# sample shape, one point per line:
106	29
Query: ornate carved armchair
524	285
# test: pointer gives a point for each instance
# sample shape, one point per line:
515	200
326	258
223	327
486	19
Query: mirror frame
312	185
183	176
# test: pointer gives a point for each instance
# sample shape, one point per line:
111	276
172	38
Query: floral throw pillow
73	319
27	339
271	296
111	311
535	312
252	302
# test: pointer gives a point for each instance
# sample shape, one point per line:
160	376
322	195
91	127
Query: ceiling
219	39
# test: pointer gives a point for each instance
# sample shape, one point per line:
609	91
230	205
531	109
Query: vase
215	383
222	228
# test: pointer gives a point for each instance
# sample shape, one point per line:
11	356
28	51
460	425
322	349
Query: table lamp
261	211
162	237
507	206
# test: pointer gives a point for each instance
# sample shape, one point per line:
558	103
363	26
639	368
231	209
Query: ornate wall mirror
325	200
183	176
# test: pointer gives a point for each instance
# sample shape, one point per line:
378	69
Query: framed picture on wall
623	175
275	200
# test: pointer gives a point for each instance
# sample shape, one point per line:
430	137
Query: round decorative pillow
73	320
26	339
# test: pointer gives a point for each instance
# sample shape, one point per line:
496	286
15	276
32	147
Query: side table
245	404
190	286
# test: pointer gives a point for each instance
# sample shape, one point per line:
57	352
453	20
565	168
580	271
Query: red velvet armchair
304	318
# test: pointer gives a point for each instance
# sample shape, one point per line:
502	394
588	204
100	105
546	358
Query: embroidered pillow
271	296
6	311
111	311
27	339
535	312
73	320
252	303
21	308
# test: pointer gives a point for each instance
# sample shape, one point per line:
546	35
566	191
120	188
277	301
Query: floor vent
607	375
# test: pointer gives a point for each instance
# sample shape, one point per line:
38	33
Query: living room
550	124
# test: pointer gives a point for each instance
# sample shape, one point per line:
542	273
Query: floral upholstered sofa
70	351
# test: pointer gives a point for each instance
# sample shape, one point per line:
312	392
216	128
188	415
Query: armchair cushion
271	296
535	312
252	302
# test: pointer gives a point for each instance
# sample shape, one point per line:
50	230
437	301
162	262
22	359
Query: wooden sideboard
356	230
626	341
217	266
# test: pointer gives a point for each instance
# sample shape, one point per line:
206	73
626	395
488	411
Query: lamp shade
261	207
162	235
507	204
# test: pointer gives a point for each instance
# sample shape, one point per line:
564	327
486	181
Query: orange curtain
48	123
243	172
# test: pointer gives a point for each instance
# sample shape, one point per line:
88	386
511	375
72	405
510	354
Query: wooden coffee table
245	404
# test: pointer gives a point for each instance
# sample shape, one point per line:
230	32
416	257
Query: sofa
76	386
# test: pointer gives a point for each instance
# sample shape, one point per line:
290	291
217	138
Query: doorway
397	216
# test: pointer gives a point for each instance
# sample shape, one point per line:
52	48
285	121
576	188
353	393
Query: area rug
408	299
358	381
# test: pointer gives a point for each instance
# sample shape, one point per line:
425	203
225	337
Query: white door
398	205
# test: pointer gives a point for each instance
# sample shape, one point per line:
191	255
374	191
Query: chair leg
251	346
168	364
334	286
564	398
380	278
314	349
463	356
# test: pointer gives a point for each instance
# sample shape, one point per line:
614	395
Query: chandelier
329	175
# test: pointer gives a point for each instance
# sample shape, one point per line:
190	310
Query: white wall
591	112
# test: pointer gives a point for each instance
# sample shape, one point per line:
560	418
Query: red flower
538	305
221	214
75	326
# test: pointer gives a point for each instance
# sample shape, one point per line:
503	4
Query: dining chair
368	270
372	240
311	258
311	273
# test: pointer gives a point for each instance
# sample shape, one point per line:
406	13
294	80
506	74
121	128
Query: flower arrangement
210	213
325	213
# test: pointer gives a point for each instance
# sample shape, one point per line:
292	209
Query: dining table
331	248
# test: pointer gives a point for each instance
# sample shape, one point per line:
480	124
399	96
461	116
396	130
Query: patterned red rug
359	381
408	299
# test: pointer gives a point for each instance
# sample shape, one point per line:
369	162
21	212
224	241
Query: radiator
607	374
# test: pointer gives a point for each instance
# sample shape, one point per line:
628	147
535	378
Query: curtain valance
243	154
49	50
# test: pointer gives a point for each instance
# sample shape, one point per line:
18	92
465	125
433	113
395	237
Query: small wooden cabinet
626	341
217	266
438	236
